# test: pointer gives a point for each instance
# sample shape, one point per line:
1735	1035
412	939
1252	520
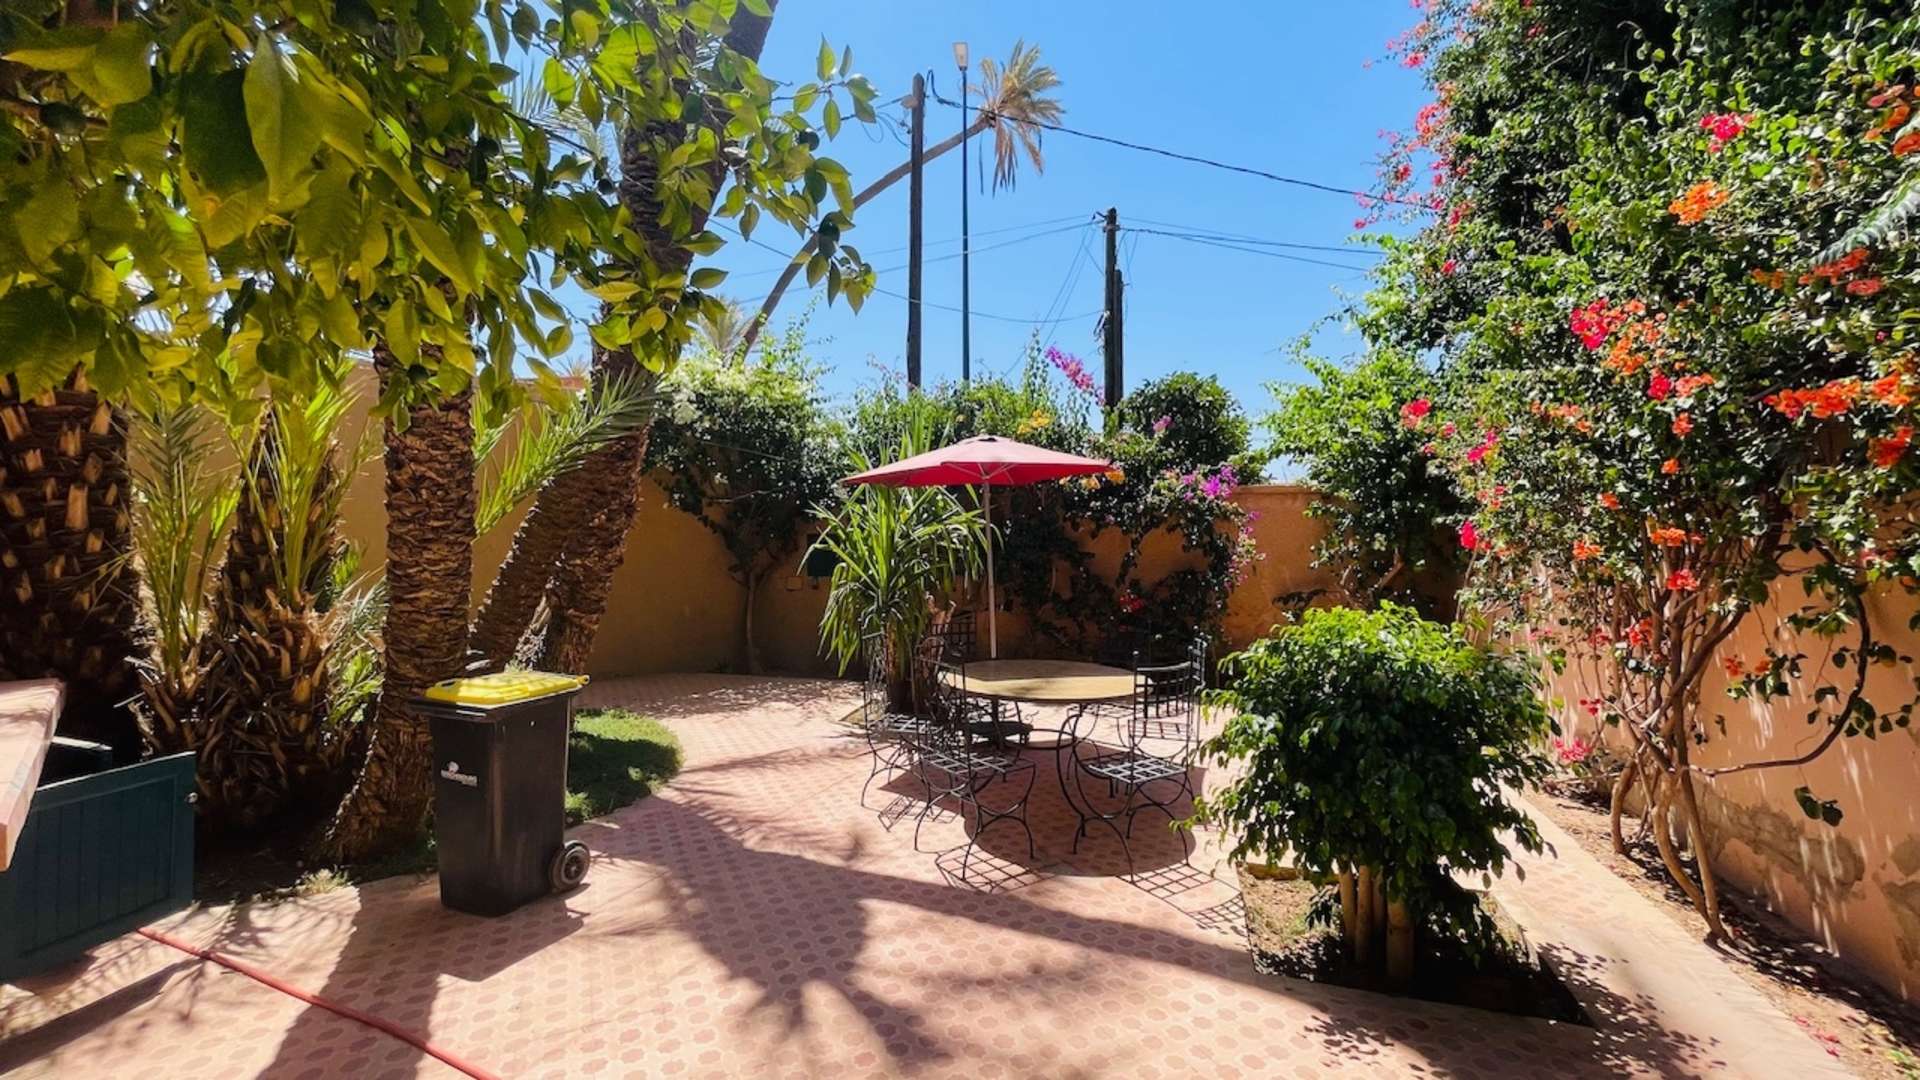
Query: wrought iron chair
955	640
992	783
1150	764
890	734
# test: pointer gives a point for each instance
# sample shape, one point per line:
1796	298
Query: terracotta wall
675	608
1856	886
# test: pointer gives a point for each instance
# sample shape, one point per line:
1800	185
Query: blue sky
1285	87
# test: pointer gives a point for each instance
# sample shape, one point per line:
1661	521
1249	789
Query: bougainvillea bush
1666	255
1180	446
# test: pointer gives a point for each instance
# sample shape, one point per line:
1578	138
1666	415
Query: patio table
1072	683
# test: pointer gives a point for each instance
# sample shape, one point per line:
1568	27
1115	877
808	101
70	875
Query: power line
1332	189
1268	254
1254	241
978	314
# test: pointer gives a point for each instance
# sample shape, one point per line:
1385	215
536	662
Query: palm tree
723	330
69	589
430	513
1013	101
567	546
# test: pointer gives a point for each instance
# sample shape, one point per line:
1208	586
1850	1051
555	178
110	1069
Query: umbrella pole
993	608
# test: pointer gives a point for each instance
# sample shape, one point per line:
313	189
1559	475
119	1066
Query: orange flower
1906	144
1865	286
1887	452
1735	669
1667	537
1691	383
1683	425
1609	500
1670	466
1825	402
1682	581
1888	391
1772	279
1700	200
1585	549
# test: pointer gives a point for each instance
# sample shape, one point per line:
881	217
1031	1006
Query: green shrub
1376	739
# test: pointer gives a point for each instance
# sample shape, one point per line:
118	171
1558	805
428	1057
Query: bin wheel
569	866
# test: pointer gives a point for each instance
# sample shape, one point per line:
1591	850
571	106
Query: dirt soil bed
1511	981
1872	1033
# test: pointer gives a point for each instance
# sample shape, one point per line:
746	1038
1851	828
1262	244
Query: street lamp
966	244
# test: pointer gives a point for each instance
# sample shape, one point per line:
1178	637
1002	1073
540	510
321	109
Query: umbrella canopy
985	460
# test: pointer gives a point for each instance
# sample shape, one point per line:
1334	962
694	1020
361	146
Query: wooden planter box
99	855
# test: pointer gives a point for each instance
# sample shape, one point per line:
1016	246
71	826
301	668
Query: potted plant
1372	750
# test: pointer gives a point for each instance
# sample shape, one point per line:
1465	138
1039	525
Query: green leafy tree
1373	749
748	449
1385	500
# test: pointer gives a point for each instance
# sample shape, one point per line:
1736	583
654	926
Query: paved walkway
754	919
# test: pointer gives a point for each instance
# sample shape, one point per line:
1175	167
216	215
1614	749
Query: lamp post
966	244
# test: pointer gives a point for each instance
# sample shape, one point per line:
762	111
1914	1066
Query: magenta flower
1161	425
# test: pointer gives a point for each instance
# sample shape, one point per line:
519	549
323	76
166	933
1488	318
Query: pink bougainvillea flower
1469	536
1723	128
1429	449
1161	425
1682	580
1592	323
1415	411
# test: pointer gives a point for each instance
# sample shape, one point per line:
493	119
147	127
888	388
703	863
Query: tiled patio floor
754	920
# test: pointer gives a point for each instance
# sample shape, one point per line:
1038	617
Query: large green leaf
215	136
286	130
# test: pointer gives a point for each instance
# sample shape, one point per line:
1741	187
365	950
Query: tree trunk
69	590
867	193
430	509
570	533
1350	912
1399	945
1363	918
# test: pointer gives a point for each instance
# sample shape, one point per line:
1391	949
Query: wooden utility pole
1114	341
915	207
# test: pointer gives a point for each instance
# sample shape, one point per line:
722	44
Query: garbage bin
500	787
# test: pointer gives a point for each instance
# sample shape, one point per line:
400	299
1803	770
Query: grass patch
614	758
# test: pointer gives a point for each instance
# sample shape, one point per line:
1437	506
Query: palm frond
183	502
1017	97
1890	220
553	439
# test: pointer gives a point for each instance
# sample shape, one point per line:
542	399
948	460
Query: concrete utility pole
1113	343
915	208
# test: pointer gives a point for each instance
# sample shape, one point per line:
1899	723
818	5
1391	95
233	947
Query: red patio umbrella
985	460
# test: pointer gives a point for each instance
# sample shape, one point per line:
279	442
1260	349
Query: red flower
1469	536
1449	267
1735	669
1887	452
1609	500
1415	411
1592	323
1682	581
1865	286
1723	128
1670	466
1683	425
1659	388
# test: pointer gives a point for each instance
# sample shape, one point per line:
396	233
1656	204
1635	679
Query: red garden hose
347	1011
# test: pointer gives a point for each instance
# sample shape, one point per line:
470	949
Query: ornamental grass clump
1373	750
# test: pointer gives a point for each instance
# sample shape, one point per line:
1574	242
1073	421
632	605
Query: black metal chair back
958	636
949	713
1166	701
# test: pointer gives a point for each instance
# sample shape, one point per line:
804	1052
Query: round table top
1057	681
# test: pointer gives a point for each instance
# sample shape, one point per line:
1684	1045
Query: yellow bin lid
503	688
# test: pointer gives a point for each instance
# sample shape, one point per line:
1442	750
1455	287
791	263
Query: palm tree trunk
866	194
430	509
69	587
569	544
